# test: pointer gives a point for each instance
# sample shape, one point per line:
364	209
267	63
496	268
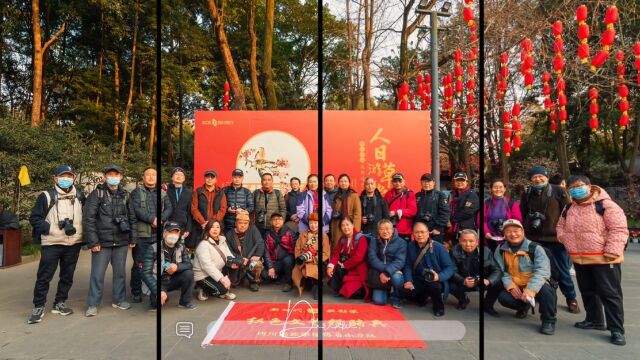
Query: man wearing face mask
110	226
541	205
594	230
56	219
145	205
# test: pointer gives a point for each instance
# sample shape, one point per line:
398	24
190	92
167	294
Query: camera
477	279
343	258
123	224
426	217
262	215
234	260
68	227
336	215
306	256
394	220
498	225
371	218
428	275
536	220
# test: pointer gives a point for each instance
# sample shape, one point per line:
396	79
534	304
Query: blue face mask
65	183
579	192
113	181
539	187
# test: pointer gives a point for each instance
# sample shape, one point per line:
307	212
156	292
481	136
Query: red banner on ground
295	324
377	144
283	143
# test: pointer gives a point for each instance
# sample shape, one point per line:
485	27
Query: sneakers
188	306
491	311
201	295
573	306
548	328
287	287
463	304
617	338
588	325
228	296
62	309
524	311
438	313
122	306
396	304
254	287
152	308
91	311
36	315
136	299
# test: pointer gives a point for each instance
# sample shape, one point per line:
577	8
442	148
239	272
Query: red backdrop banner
377	144
283	143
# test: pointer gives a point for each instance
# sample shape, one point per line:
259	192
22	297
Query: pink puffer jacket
588	236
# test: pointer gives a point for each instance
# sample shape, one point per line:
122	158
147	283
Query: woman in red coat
352	247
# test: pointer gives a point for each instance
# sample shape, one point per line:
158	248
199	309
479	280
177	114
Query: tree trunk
170	144
116	105
270	90
366	53
227	58
152	131
350	59
253	63
180	114
127	109
101	56
563	159
38	54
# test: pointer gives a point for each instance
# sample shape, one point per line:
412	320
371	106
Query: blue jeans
564	266
380	297
117	256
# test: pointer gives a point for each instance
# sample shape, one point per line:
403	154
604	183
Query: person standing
267	201
56	219
110	228
238	198
207	203
433	208
374	207
180	196
402	206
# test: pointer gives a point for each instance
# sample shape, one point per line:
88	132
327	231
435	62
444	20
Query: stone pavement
112	334
510	338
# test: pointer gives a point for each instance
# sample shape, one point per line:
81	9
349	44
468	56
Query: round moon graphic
274	152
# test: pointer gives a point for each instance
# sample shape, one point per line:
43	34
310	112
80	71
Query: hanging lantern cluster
412	100
503	76
225	97
506	125
458	128
583	34
606	39
636	52
457	70
471	86
546	90
403	96
623	93
526	57
553	116
558	47
593	109
515	126
561	88
447	104
424	91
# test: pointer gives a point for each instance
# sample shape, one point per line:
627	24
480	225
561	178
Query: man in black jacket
238	198
433	208
109	223
180	197
144	200
466	257
176	267
374	207
246	242
464	206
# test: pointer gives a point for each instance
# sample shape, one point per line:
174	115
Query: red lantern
517	142
611	16
624	121
557	28
584	53
583	33
623	91
594	109
607	39
562	115
227	88
558	45
558	64
636	52
599	59
468	15
516	110
562	101
225	97
554	127
561	85
507	148
581	13
593	124
458	133
624	105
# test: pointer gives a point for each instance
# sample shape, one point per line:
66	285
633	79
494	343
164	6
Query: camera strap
421	256
215	246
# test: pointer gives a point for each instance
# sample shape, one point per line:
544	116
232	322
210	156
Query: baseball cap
63	169
171	225
113	167
210	172
511	222
426	177
237	172
460	175
397	176
276	214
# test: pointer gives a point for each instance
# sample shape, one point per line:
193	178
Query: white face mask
172	239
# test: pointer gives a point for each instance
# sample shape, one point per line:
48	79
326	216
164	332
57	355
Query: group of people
382	248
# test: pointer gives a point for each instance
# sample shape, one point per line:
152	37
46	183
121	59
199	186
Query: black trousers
50	257
283	267
491	294
137	253
184	281
546	297
424	290
212	287
600	285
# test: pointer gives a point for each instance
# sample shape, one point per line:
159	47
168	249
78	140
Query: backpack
599	208
554	280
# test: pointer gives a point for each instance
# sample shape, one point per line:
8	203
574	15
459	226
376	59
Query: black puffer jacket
181	207
468	265
241	198
101	210
433	204
375	205
145	204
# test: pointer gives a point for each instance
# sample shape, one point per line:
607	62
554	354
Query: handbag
373	281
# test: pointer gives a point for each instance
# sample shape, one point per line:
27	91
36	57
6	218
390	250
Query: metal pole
435	106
